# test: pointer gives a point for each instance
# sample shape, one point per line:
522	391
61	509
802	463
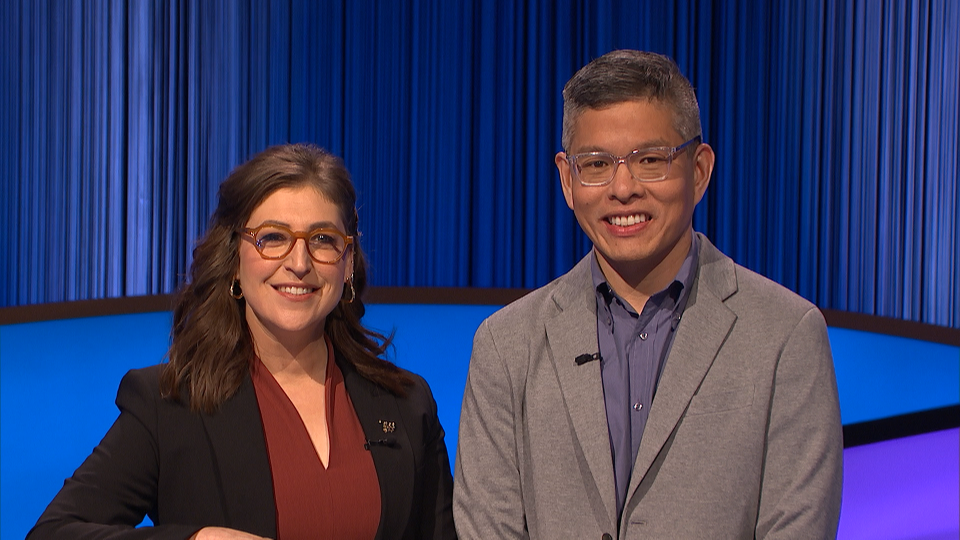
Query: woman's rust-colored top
340	501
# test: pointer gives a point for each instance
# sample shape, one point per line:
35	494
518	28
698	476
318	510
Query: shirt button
637	406
606	536
643	336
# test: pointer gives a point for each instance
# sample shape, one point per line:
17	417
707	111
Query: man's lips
628	220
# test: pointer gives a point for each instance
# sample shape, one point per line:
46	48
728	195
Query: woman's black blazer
187	470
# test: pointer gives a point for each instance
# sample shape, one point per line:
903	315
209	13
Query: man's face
637	227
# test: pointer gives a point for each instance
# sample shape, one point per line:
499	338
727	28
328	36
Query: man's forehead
644	137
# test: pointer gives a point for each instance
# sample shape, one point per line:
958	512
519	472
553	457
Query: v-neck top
340	501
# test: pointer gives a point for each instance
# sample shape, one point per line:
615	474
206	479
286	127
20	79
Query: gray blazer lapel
705	325
243	468
572	332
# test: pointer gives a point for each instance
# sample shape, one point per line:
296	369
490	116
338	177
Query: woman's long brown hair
212	347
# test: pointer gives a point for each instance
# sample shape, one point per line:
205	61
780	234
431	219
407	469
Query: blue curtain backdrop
835	125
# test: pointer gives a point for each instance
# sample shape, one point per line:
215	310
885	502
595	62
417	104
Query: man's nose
624	185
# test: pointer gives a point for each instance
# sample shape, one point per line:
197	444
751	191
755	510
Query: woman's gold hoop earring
235	291
353	292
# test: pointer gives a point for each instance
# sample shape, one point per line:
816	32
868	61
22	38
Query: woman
275	416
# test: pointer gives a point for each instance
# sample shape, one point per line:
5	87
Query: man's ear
566	177
703	162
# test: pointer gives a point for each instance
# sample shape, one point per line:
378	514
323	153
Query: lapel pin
388	427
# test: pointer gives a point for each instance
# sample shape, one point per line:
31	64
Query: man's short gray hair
627	75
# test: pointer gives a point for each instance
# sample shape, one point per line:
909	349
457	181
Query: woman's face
288	299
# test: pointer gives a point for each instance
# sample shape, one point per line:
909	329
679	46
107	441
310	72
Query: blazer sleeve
487	499
436	512
116	486
803	468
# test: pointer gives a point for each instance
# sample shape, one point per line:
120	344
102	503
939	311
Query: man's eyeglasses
326	246
645	164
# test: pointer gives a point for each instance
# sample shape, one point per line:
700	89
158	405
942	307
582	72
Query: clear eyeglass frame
251	235
662	171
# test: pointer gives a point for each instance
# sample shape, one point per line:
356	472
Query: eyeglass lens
324	246
599	168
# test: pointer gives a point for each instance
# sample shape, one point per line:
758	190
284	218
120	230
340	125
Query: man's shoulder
544	302
765	310
531	302
757	289
767	314
737	285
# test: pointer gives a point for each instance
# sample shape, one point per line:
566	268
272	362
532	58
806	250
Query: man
657	390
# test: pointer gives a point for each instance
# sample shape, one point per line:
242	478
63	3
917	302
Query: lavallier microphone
379	442
584	358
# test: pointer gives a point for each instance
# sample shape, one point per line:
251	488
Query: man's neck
637	281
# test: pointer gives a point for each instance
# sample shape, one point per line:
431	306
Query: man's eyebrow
656	143
591	149
653	143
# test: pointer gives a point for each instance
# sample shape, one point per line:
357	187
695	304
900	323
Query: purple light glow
903	489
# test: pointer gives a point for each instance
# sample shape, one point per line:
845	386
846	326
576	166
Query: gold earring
353	292
235	291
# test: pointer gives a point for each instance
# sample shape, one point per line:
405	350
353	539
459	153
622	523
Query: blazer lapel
390	447
243	468
704	326
572	332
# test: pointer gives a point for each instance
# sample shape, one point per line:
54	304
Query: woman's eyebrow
313	226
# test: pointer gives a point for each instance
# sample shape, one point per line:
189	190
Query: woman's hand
221	533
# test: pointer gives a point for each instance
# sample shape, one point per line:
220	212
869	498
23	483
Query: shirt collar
681	282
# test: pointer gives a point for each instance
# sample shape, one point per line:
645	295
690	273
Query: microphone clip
389	442
586	357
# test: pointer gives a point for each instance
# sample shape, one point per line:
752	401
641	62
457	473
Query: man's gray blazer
743	439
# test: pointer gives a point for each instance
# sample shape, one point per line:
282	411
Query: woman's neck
291	357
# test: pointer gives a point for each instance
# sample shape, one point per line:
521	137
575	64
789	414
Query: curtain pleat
835	126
